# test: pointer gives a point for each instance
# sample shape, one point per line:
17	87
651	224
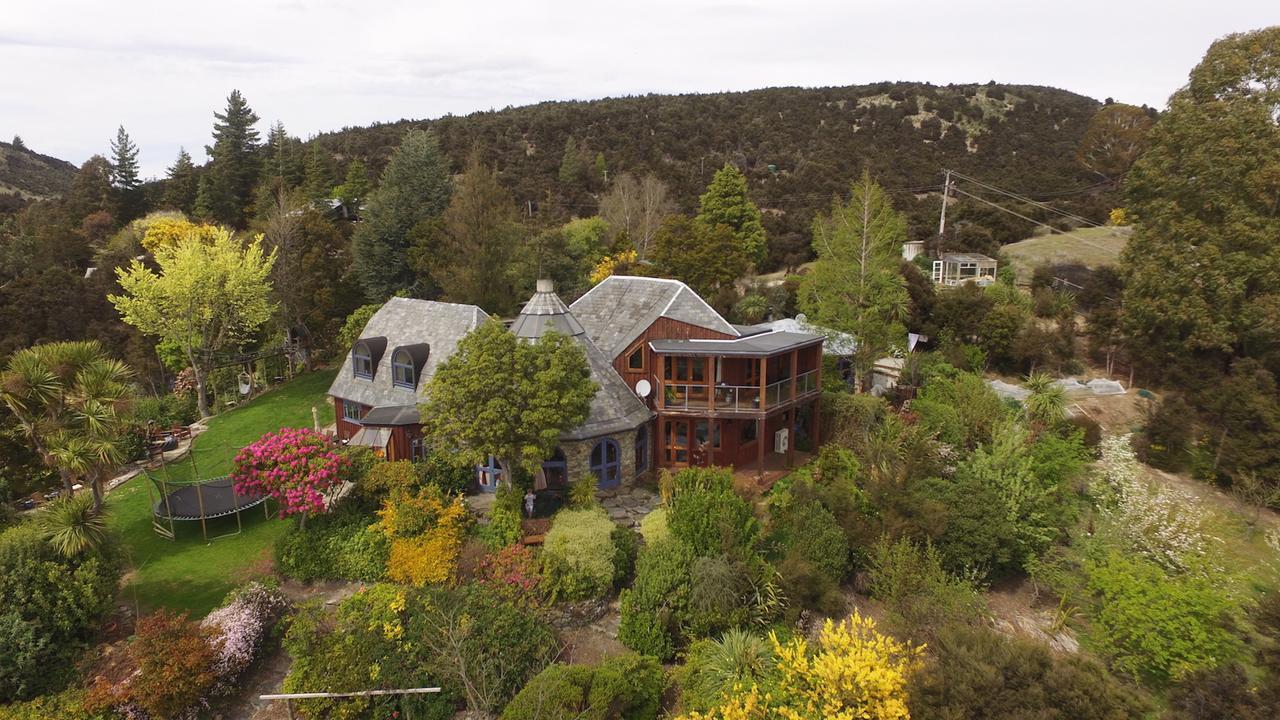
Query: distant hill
30	175
798	146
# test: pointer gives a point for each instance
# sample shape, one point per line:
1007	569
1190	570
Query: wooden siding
662	329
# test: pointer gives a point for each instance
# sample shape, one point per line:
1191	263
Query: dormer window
362	361
403	373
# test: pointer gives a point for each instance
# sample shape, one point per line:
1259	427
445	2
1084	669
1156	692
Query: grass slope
188	574
1091	247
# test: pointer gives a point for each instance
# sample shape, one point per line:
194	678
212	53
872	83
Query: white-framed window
352	411
362	361
402	372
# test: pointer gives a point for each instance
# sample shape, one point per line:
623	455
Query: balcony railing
736	398
806	382
779	392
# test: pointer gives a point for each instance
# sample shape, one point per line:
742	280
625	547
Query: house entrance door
676	446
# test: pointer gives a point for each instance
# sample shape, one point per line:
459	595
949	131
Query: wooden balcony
726	399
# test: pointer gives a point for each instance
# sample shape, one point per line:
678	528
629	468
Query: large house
679	386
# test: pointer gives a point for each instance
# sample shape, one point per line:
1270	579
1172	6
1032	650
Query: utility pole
946	191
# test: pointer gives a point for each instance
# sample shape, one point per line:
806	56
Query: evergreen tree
601	170
354	189
572	170
283	157
317	180
480	235
415	187
726	203
854	286
124	177
18	144
233	167
708	258
91	189
180	190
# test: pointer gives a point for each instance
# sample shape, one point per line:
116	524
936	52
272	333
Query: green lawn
1091	247
188	574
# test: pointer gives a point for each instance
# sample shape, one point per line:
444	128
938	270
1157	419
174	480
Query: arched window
642	448
489	475
402	372
605	464
362	361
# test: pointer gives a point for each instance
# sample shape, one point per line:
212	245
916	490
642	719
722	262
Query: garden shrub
1156	626
626	545
655	606
360	646
973	409
582	493
628	687
653	527
919	595
852	670
1222	693
848	416
708	516
241	628
486	647
426	530
719	593
446	471
66	705
978	537
298	467
385	477
165	411
49	607
974	672
810	532
503	528
578	555
340	546
167	669
713	669
514	574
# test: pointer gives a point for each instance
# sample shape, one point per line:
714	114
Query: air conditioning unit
781	440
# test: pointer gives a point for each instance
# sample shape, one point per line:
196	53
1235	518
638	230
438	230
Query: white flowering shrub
242	625
1164	524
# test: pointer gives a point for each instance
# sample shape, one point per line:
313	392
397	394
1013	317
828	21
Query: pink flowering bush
296	466
241	626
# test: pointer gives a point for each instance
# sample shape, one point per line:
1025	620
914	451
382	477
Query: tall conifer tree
124	176
415	188
726	203
233	167
180	190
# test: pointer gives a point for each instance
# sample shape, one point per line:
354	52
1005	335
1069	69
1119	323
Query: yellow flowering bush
852	673
426	530
610	264
167	230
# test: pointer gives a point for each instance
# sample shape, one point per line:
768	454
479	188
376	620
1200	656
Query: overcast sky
75	69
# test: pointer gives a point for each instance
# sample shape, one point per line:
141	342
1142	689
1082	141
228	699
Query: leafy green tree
726	202
566	254
1114	139
502	397
91	189
854	286
479	236
207	296
124	177
70	398
415	187
233	162
1202	267
706	257
180	189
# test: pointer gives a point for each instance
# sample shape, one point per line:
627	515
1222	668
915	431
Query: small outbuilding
958	268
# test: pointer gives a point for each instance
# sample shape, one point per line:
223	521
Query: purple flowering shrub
242	626
296	466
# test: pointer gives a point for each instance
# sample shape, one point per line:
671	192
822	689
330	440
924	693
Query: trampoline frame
161	485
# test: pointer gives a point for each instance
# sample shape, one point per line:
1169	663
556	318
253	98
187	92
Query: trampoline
201	499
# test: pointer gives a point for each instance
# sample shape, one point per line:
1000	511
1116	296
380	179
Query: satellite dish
643	388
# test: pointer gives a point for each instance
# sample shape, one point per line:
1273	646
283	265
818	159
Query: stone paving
628	506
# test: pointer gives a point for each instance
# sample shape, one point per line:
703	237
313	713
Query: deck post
760	426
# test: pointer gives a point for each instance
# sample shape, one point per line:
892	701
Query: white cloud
75	69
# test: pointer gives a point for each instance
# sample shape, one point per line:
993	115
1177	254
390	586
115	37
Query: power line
1025	199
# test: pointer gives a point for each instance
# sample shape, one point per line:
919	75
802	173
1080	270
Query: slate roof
755	345
619	309
615	407
407	323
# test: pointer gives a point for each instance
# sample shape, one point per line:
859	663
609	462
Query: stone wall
577	457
